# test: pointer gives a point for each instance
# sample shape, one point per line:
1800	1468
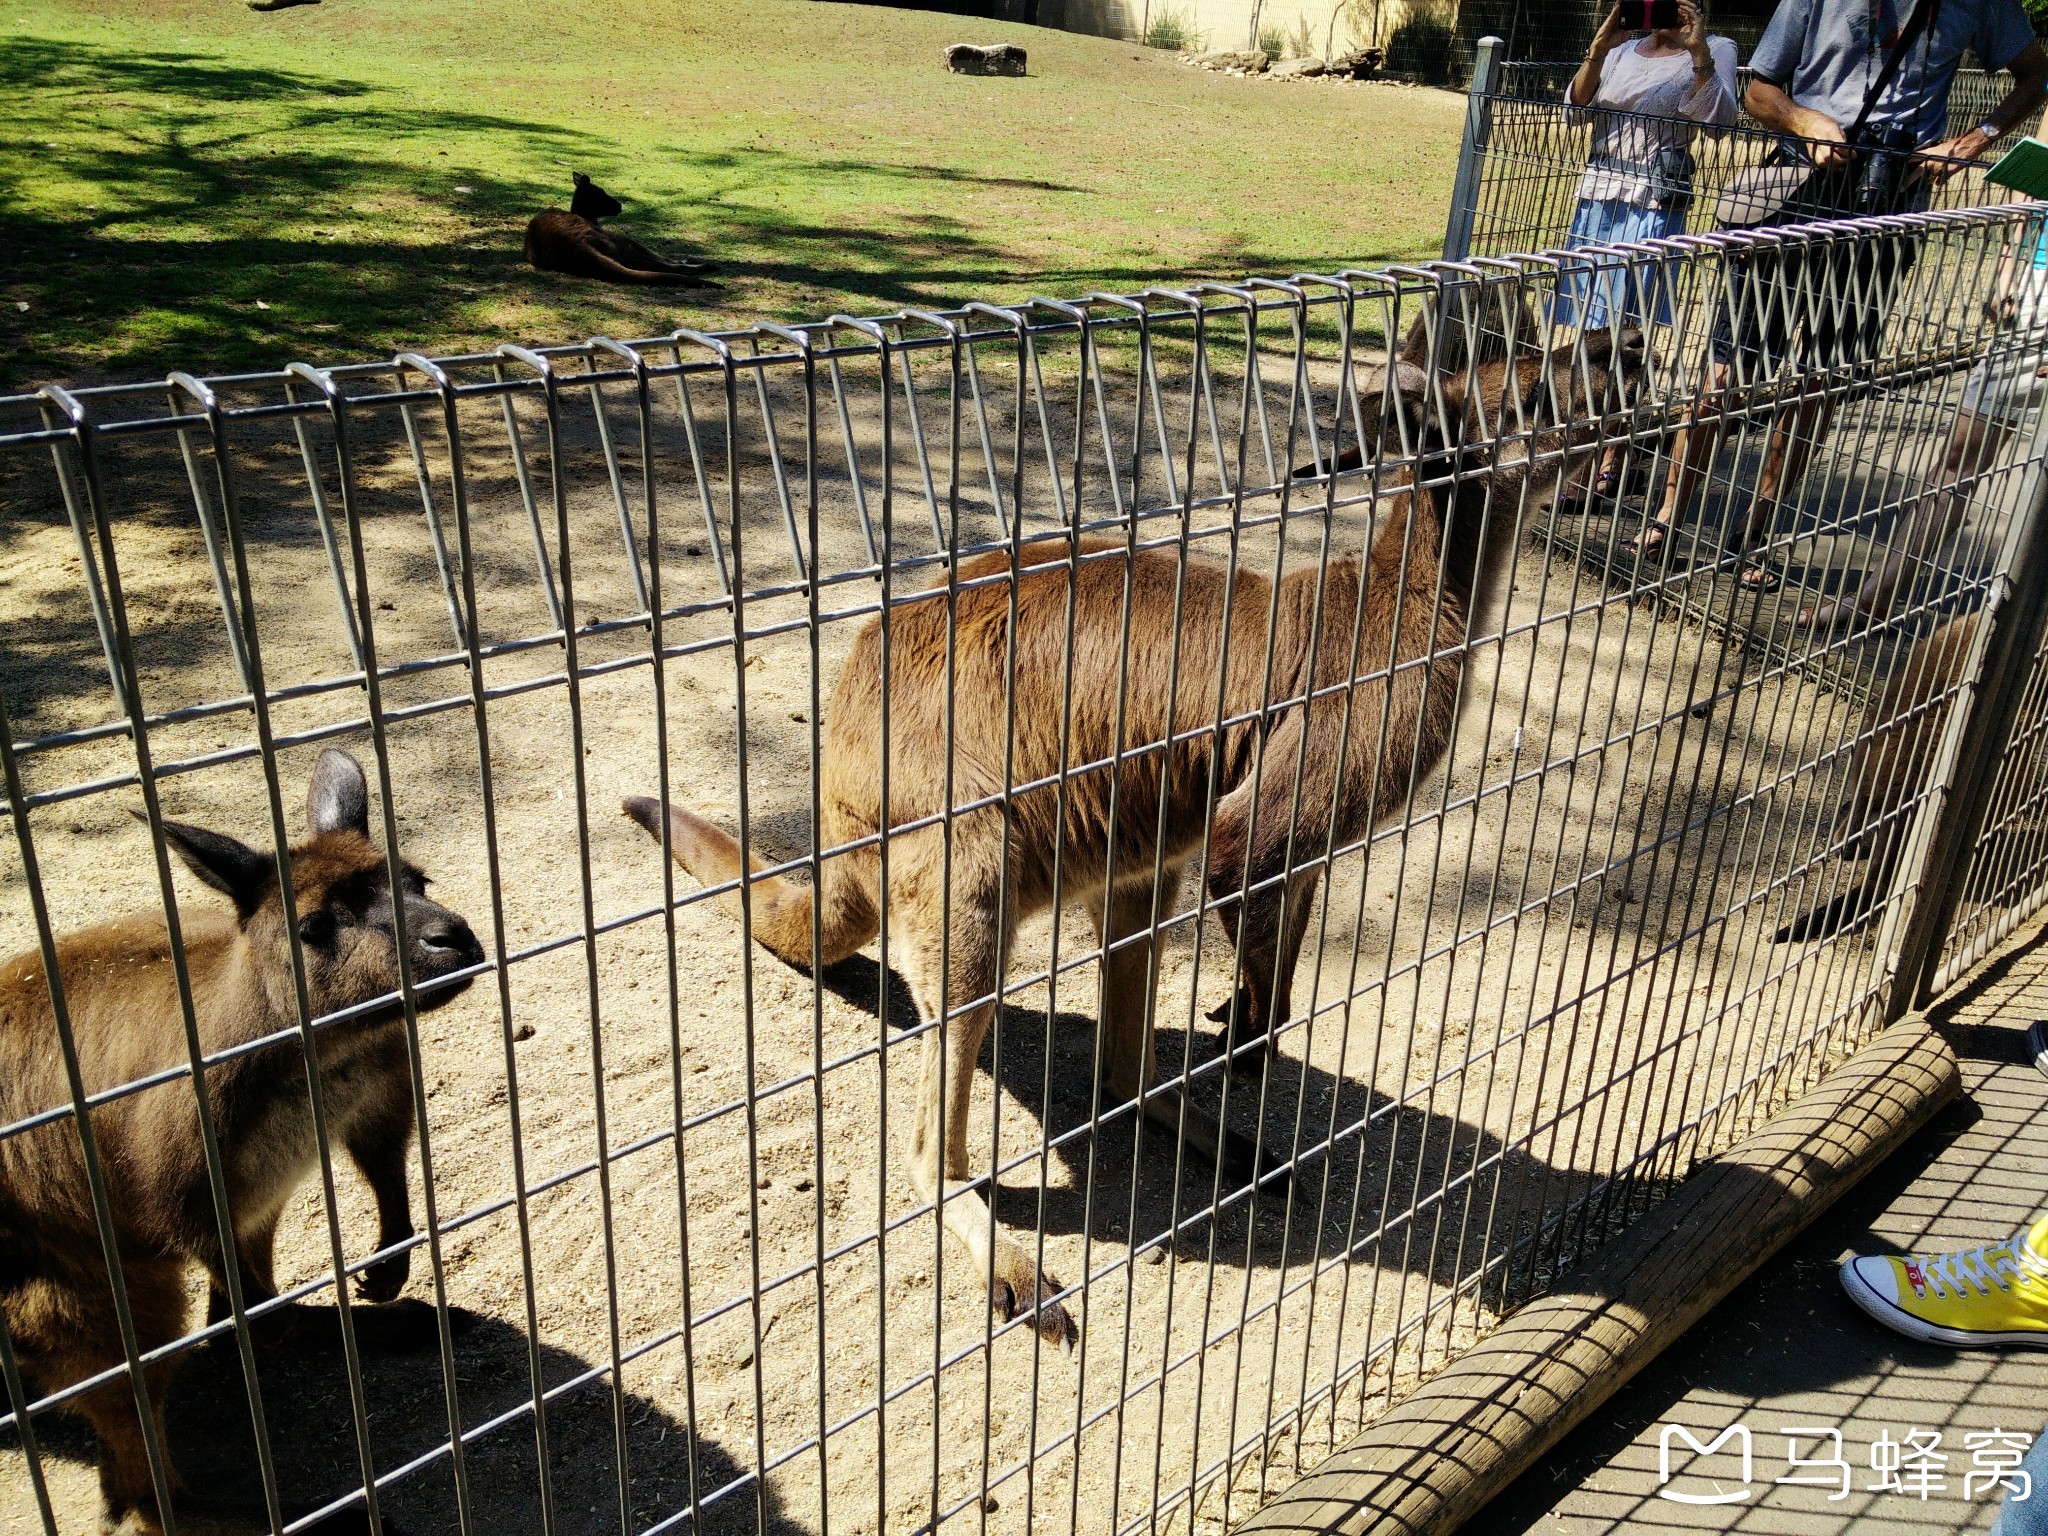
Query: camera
1653	14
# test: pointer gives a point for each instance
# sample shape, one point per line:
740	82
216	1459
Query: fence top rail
54	414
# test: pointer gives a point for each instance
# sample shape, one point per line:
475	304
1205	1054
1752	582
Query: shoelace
1979	1269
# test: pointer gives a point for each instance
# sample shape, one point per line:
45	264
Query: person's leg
1862	279
1581	303
1692	449
1793	435
1927	524
2024	1511
1747	332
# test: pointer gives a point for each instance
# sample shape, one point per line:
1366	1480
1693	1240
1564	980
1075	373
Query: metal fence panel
1525	150
878	627
2003	885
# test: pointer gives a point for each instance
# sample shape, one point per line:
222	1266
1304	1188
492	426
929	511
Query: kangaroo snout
645	811
443	944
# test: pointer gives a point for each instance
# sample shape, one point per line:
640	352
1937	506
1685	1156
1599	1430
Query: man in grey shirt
1819	58
1817	61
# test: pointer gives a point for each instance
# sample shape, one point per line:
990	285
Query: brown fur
1887	770
1411	599
121	995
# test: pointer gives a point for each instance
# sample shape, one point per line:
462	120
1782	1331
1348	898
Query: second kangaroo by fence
1887	771
120	992
1366	661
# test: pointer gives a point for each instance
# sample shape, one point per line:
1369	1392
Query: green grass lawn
189	184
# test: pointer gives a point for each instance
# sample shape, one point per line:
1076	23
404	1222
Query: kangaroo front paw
1053	1323
383	1280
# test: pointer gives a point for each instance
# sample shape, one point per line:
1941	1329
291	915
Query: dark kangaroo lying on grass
1887	770
121	994
573	243
1224	626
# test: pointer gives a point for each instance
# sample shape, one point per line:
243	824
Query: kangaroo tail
781	909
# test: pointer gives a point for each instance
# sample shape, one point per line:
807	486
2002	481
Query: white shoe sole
1899	1320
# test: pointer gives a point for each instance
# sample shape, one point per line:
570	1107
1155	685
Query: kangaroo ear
1415	345
1403	387
338	800
233	868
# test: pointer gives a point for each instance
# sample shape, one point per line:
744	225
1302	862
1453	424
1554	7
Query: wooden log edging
1433	1463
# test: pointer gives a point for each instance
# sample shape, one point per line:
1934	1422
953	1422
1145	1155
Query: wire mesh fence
2003	884
1526	151
1035	910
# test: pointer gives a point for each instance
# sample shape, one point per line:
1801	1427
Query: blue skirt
1591	294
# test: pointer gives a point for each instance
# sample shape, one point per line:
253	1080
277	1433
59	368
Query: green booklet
2024	168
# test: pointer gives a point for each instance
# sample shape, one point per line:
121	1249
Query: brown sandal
1649	543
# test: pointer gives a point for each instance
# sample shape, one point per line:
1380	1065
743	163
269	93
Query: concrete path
1788	1349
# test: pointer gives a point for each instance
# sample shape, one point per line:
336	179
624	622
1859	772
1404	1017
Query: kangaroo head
592	201
347	923
1528	416
1477	438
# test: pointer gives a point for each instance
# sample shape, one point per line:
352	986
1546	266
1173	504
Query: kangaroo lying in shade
573	243
121	994
1380	643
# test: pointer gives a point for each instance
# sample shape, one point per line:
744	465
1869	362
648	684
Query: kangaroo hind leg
968	954
1130	981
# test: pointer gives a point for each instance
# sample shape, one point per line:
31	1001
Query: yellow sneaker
1978	1297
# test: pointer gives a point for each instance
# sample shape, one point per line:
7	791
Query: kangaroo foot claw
1054	1324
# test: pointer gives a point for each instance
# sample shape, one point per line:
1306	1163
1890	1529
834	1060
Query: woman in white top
1646	94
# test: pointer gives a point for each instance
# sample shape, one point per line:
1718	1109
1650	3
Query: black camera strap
1923	13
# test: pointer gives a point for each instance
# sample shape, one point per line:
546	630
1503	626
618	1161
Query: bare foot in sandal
1648	543
1757	574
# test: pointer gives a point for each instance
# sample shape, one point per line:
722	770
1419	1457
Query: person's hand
1829	146
1692	30
1610	35
1938	162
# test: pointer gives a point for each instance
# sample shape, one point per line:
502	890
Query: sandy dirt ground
1551	971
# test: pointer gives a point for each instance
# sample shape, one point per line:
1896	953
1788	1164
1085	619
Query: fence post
1472	152
1973	750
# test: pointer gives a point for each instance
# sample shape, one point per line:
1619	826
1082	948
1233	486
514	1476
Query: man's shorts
1809	305
2008	383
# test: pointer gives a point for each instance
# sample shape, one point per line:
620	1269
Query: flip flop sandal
1649	543
1754	575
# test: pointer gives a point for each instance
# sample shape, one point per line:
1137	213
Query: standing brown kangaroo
573	243
122	997
1389	650
1887	770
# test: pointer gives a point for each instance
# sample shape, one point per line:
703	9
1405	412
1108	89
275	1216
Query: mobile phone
1639	14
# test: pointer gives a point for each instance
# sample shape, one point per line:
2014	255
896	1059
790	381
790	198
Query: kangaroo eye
317	928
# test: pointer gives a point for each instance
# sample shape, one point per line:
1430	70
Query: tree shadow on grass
168	210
